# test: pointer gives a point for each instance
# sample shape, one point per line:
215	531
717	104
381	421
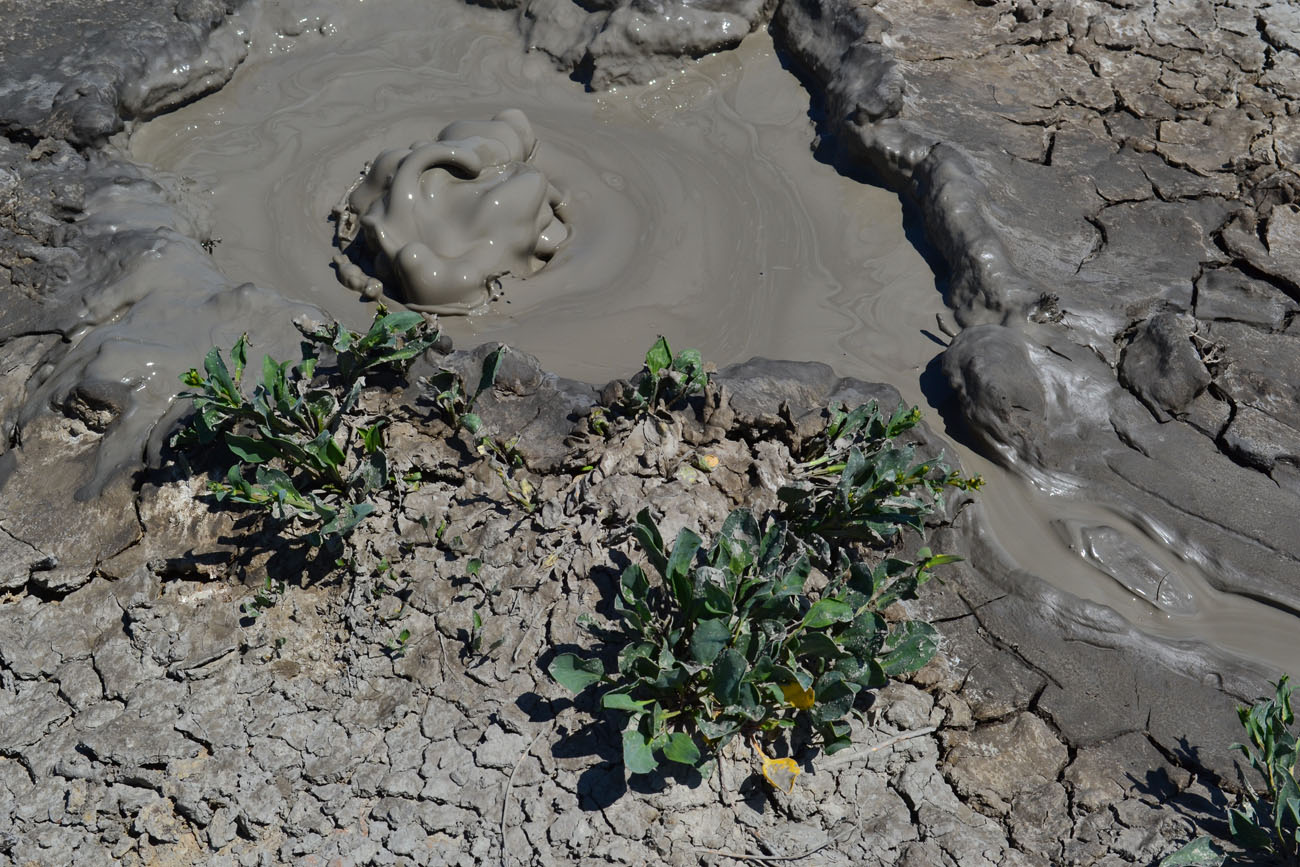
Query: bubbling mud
444	219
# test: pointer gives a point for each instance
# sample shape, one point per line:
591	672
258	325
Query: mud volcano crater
1108	194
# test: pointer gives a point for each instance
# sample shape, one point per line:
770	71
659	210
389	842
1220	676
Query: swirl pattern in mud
692	206
443	219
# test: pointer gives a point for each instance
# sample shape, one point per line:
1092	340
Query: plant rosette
734	640
855	482
296	431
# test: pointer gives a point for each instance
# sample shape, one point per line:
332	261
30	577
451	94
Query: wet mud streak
444	219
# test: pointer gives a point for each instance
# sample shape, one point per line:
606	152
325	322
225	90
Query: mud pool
697	212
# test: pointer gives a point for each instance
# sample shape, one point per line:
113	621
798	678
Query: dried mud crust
1112	189
148	720
140	717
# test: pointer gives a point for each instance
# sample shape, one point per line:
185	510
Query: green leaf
820	646
740	526
622	701
728	672
910	646
835	736
718	730
710	637
792	583
254	451
272	376
575	674
1247	832
491	367
372	438
681	748
1201	852
679	563
401	322
835	697
220	376
658	357
638	758
239	354
371	474
824	612
647	533
346	521
471	422
325	450
638	659
711	590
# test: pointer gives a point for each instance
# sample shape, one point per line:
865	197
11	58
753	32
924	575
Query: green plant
393	341
738	641
396	647
474	641
296	431
666	381
1268	822
265	598
855	482
454	401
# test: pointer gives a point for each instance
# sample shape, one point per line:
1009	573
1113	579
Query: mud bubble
440	221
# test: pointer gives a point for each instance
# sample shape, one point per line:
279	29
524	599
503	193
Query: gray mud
654	179
443	221
146	722
820	270
1109	197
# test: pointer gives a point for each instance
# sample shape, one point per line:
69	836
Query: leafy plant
1268	822
735	640
396	647
455	402
265	598
856	482
296	430
393	341
666	381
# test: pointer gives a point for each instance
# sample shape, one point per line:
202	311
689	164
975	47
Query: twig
741	856
505	797
905	736
848	757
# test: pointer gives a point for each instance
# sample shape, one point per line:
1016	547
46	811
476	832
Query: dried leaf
796	695
781	773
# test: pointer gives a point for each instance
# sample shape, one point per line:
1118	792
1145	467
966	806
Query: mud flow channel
691	207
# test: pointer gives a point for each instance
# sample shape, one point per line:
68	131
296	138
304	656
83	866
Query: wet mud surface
1108	197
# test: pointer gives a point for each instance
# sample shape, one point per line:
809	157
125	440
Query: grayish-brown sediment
447	218
1109	193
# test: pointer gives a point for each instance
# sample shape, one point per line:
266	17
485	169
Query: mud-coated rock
1161	365
988	367
114	62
